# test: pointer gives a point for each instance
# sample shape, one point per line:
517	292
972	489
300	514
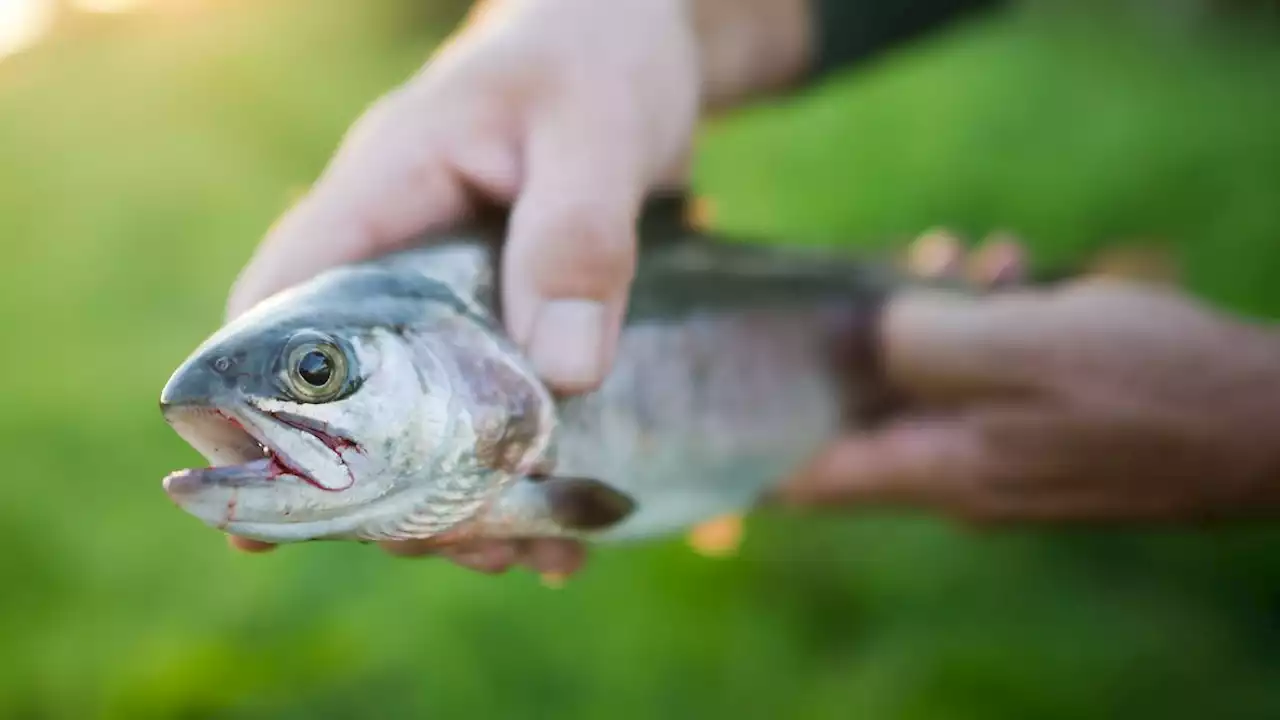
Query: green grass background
142	158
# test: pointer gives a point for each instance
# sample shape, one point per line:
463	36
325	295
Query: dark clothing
848	31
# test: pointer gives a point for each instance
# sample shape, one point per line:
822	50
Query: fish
382	400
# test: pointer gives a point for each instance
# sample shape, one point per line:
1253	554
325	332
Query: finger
411	548
486	556
940	345
556	558
570	255
250	546
387	183
936	255
491	557
918	462
999	263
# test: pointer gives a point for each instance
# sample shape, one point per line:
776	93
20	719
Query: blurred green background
142	157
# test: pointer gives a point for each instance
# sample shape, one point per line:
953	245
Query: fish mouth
239	448
284	462
251	480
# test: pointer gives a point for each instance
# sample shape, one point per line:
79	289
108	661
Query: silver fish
382	400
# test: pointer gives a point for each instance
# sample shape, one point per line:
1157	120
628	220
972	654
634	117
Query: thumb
571	252
919	462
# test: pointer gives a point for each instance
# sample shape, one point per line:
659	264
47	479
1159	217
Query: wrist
750	48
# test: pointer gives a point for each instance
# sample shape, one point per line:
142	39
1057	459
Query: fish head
331	415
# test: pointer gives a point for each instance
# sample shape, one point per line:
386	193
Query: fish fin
584	504
718	537
551	506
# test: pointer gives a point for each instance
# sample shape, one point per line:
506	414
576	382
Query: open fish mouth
241	454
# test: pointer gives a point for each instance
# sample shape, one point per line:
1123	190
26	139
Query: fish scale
701	416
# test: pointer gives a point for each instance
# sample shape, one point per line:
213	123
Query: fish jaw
250	500
264	498
250	489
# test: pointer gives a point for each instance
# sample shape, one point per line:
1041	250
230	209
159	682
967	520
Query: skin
1093	401
1104	400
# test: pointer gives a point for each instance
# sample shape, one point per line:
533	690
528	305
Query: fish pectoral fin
553	506
583	504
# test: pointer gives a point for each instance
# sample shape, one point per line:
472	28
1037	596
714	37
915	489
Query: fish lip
188	481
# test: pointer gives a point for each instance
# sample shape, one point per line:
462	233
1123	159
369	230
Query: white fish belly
700	418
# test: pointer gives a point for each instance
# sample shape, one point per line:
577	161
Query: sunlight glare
23	23
108	6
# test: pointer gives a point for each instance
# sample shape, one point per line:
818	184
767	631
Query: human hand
567	111
1101	400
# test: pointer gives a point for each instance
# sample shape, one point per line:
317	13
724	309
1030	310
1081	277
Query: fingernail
998	263
566	344
936	254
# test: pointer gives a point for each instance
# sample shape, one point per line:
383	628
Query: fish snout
199	382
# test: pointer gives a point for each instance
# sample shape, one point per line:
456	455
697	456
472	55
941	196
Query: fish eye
316	371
